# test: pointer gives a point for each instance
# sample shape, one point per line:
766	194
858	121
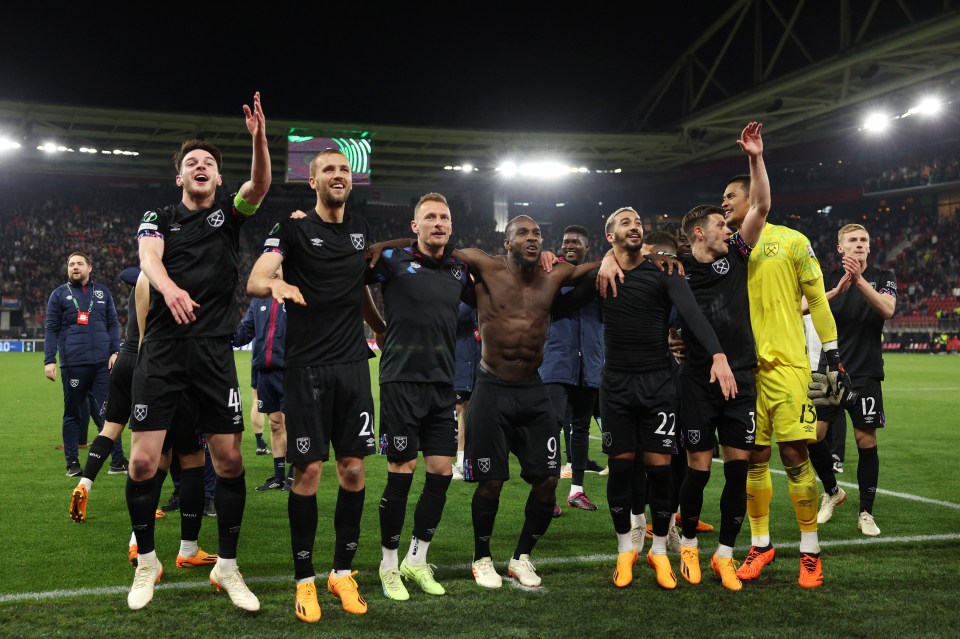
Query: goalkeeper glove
820	393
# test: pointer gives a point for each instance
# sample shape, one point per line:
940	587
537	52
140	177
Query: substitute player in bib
326	383
190	252
717	273
781	270
862	298
421	286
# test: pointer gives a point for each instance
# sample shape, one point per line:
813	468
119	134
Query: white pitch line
910	390
449	568
881	491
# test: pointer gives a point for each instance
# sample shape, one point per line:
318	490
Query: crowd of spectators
36	236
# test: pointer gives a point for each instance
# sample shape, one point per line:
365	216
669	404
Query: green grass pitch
58	578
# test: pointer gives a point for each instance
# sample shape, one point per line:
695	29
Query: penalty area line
448	568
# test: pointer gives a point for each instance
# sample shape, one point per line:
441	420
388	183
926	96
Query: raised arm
752	144
255	189
179	302
476	259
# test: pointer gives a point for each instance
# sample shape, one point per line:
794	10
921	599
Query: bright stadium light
927	106
47	147
467	168
876	122
8	145
543	169
507	169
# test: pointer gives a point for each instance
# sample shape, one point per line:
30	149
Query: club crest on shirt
215	219
357	239
457	271
721	266
771	248
74	383
98	294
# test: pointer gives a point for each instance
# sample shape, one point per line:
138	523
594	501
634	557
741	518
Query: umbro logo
303	554
316	241
174	227
415	265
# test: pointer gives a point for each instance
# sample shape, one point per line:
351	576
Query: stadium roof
808	72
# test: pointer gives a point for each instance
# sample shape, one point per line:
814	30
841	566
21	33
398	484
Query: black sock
97	456
426	517
302	512
537	517
229	498
678	472
658	478
393	508
191	503
484	511
619	491
638	487
868	473
346	526
142	506
278	467
260	442
733	501
691	500
822	461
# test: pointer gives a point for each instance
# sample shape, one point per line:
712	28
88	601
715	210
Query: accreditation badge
83	318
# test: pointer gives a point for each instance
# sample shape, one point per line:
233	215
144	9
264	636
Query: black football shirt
859	327
201	253
421	299
327	262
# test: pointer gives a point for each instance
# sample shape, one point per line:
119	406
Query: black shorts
117	409
183	436
704	413
328	404
867	413
638	412
417	417
270	391
463	396
507	417
200	370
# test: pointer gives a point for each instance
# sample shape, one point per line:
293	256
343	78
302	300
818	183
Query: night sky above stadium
510	69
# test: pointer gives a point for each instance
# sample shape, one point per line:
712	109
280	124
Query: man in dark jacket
81	325
572	361
265	322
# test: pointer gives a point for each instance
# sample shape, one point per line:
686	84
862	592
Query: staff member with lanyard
82	325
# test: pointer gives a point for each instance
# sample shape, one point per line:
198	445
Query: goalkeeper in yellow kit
781	270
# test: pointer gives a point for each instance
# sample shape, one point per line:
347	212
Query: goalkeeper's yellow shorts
783	410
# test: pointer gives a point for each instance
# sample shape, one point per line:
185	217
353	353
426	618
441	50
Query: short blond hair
850	228
429	197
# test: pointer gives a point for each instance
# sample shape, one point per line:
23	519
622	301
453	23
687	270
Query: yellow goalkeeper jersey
781	260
